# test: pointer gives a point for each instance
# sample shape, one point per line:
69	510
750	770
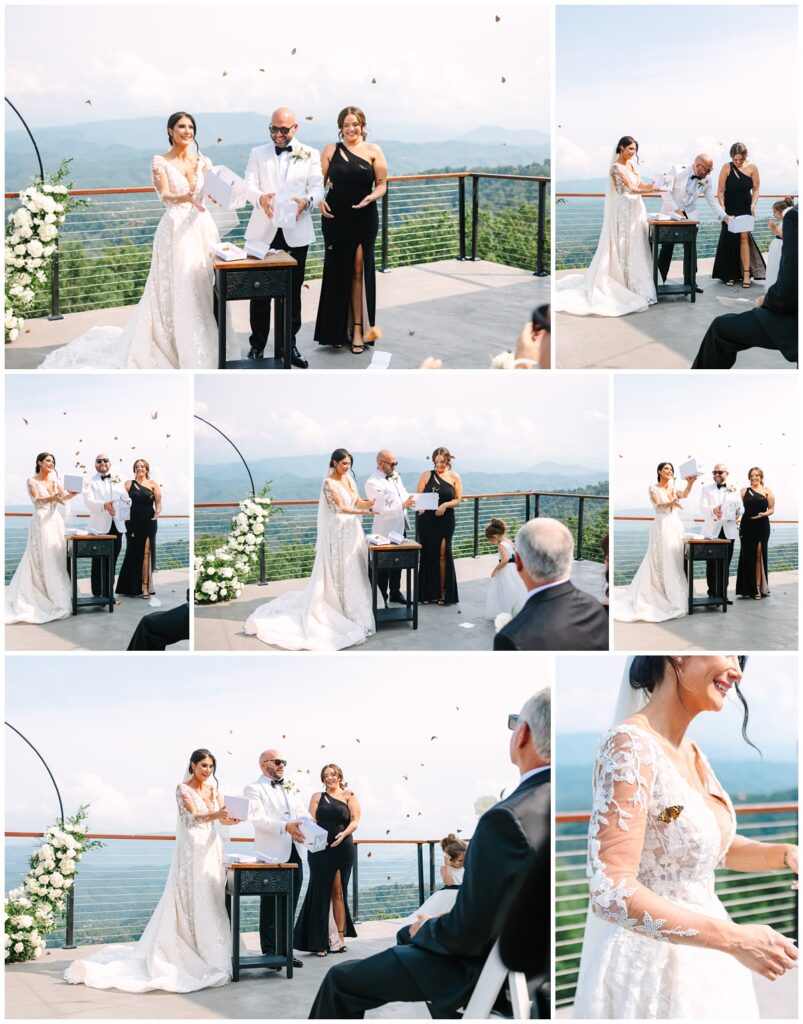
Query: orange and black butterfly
670	813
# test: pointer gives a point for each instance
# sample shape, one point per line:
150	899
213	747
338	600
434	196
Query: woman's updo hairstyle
648	671
624	142
452	846
338	455
147	466
756	469
338	772
445	453
174	119
344	113
660	467
199	755
738	149
40	458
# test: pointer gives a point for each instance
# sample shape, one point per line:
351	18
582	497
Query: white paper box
265	858
314	836
284	213
73	482
239	858
377	539
662	182
743	223
428	501
227	252
225	187
690	468
259	250
237	806
396	538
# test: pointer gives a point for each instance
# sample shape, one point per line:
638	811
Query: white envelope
225	187
73	482
428	501
690	468
380	360
743	223
227	252
315	837
237	806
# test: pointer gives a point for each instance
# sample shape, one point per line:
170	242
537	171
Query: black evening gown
432	530
728	260
350	179
140	527
753	532
312	927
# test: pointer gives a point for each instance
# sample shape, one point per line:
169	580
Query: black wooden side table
266	880
677	232
704	550
269	278
396	556
88	545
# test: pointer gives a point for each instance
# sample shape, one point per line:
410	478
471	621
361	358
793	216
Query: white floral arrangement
502	620
32	910
31	235
483	804
221	574
503	361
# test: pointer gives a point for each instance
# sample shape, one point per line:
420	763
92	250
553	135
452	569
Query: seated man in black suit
159	629
556	615
438	960
772	324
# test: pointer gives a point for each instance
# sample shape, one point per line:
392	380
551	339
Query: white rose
213	597
18	947
250	539
259	528
483	804
503	361
35	248
47	232
23	920
56	880
23	218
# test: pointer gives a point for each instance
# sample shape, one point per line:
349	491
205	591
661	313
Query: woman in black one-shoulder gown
437	578
738	258
355	172
754	535
337	810
136	573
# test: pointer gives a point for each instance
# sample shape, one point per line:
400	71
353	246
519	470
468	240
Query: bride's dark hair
199	755
660	467
649	671
626	140
40	458
338	455
174	119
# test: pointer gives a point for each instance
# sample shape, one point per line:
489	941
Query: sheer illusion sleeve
661	500
333	500
159	177
618	833
37	499
188	811
620	181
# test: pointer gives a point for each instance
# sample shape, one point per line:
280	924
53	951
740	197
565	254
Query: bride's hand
763	950
190	198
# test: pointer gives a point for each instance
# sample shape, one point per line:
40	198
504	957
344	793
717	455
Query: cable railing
104	251
578	221
118	886
632	535
289	539
172	542
756	897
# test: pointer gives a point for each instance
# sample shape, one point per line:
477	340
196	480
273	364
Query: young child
442	900
507	591
776	227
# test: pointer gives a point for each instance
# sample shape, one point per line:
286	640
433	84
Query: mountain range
115	153
299	477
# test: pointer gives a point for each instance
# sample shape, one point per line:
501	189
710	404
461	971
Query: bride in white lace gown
186	945
619	280
334	609
658	942
659	590
173	326
40	589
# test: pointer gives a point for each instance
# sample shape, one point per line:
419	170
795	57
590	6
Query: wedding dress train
334	609
173	326
40	589
659	590
619	280
186	945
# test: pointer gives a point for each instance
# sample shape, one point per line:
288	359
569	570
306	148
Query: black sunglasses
102	460
279	131
512	721
276	760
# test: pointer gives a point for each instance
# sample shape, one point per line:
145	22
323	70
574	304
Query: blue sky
740	419
522	418
98	407
586	691
437	66
669	75
123	747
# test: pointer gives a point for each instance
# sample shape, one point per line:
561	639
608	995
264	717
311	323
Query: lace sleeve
159	178
619	834
620	183
660	501
332	500
187	809
34	494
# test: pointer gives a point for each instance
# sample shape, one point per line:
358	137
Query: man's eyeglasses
277	761
512	721
279	131
718	472
102	460
387	462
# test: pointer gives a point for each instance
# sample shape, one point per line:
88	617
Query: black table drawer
682	233
254	284
396	559
93	548
699	552
260	882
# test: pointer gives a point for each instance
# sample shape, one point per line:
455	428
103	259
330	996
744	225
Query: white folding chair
489	985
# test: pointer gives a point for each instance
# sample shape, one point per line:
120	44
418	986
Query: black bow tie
697	177
388	476
107	477
277	782
282	149
721	485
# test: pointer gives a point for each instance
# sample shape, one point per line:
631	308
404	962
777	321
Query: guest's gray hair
537	713
546	548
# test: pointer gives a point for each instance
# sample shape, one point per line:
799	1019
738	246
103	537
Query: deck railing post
385	208
527	508
420	850
461	215
476	527
580	529
475	215
263	582
539	257
537	506
55	312
431	867
355	891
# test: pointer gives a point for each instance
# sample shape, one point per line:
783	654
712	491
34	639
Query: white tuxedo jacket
269	808
304	181
394	494
681	197
95	494
712	497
